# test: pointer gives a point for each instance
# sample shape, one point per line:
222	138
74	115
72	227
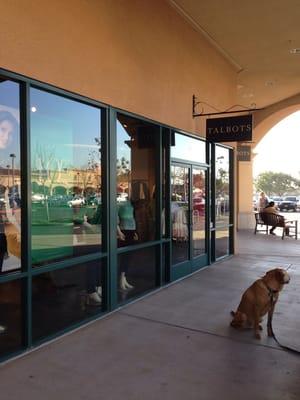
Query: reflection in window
65	177
137	142
10	177
180	198
10	317
199	212
136	272
222	186
188	148
222	242
64	297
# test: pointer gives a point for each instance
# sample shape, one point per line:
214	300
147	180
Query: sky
279	150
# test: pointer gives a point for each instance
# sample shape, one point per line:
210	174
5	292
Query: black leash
287	348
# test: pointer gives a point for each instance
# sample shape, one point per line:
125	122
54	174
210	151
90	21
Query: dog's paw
257	335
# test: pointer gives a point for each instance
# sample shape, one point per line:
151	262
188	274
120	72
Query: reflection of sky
187	148
9	94
65	127
122	148
222	158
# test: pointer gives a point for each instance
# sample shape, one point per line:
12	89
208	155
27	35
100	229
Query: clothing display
126	219
179	222
139	191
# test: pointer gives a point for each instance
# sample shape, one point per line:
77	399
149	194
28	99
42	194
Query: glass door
198	226
222	203
180	213
188	219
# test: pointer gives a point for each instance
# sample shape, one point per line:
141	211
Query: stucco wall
138	55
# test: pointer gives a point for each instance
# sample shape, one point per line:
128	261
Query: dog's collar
271	291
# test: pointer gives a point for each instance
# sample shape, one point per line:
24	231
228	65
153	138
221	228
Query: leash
287	348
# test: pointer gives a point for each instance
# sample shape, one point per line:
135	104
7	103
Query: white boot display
99	290
2	329
93	299
124	283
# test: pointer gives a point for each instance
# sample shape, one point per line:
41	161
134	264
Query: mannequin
93	284
126	234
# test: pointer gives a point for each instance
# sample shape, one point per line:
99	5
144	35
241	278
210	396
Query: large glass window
65	177
11	317
137	143
222	242
64	297
137	272
10	177
187	148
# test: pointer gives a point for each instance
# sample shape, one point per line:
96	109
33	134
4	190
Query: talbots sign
230	129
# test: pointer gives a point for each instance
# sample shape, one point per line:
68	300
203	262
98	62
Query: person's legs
272	230
93	283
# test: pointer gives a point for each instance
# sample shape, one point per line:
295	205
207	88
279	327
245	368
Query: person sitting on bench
271	208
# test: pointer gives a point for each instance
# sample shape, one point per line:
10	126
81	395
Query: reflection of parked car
288	203
37	198
76	201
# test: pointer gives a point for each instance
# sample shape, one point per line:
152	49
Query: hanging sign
243	153
229	129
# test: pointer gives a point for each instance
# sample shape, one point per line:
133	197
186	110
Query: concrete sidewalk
177	342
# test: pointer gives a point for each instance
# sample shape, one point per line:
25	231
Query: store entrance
188	218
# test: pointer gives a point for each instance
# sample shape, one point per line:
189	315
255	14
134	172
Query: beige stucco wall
138	55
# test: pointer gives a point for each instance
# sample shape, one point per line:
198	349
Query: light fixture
33	109
296	50
270	83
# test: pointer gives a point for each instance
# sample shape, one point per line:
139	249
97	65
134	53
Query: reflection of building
67	181
9	176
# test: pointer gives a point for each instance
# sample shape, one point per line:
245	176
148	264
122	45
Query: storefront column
245	218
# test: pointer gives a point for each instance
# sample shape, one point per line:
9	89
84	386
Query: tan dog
259	299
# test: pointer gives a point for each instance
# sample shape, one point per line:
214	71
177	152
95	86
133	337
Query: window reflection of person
13	226
9	241
8	125
8	128
127	235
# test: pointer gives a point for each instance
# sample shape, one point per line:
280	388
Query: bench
264	221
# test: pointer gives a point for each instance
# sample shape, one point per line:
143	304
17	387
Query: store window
11	317
188	148
137	271
10	177
62	298
137	145
65	178
137	149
